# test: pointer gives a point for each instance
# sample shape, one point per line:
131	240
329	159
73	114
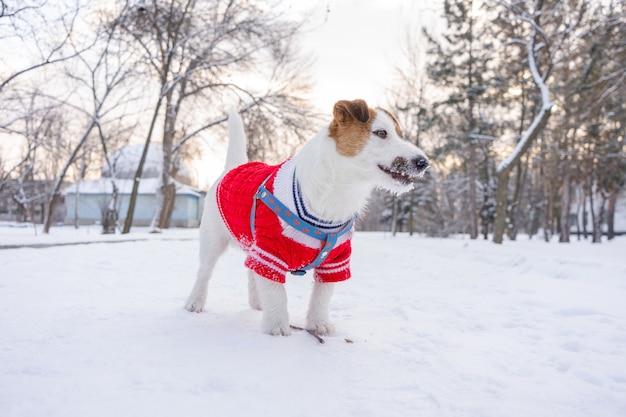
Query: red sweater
271	253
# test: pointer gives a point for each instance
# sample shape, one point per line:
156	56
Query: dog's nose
421	163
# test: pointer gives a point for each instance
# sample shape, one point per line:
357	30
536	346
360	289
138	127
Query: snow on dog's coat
327	183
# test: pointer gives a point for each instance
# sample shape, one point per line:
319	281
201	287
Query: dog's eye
381	133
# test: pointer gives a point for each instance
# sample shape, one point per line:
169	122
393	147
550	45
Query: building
89	201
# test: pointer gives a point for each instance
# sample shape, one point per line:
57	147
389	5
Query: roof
125	186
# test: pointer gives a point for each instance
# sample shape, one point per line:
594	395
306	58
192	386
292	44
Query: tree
106	70
602	90
44	34
461	66
37	27
412	108
83	63
571	46
578	55
34	128
196	49
548	25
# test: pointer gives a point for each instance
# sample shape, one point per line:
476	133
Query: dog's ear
356	109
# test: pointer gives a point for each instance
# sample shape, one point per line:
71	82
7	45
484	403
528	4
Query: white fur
334	187
317	318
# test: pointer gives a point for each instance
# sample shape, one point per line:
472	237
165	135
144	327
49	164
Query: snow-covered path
439	328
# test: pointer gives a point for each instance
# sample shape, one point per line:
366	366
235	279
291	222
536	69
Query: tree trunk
164	198
597	216
548	214
111	215
566	207
515	208
471	163
610	216
394	215
128	221
169	196
578	210
585	215
411	212
48	210
473	177
109	221
485	217
502	195
597	225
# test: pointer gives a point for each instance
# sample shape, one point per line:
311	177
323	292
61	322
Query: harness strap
329	239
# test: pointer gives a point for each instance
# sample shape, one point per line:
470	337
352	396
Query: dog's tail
236	154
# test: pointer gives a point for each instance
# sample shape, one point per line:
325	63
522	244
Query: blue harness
328	239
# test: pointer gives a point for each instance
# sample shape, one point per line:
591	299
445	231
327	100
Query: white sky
358	44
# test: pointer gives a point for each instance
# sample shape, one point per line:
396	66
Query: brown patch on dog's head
395	122
351	125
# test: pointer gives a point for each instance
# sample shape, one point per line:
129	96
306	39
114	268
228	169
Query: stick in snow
319	339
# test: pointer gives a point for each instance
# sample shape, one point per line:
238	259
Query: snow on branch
540	119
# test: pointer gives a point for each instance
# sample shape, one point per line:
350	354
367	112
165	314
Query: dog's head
373	139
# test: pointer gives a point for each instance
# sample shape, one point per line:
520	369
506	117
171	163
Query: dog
299	215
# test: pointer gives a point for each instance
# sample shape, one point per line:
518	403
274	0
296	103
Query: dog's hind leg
317	318
214	238
209	254
273	297
253	293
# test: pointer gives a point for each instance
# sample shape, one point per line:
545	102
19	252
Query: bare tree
40	30
197	48
32	132
461	66
30	26
549	25
105	70
603	88
412	105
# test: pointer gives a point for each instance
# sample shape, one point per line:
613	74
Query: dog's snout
421	163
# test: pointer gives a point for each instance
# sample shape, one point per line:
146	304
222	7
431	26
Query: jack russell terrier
299	215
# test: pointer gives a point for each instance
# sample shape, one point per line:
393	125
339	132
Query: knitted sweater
276	248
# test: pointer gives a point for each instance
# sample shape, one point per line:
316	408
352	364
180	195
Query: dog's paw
321	328
194	305
276	328
279	331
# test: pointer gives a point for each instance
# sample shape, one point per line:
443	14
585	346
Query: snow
546	106
125	186
440	327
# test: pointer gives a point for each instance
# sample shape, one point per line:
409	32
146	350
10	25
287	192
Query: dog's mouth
402	177
404	171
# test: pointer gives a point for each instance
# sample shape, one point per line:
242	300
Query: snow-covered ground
439	328
16	235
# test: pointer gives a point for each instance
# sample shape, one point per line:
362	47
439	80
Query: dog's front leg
253	293
317	318
273	297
